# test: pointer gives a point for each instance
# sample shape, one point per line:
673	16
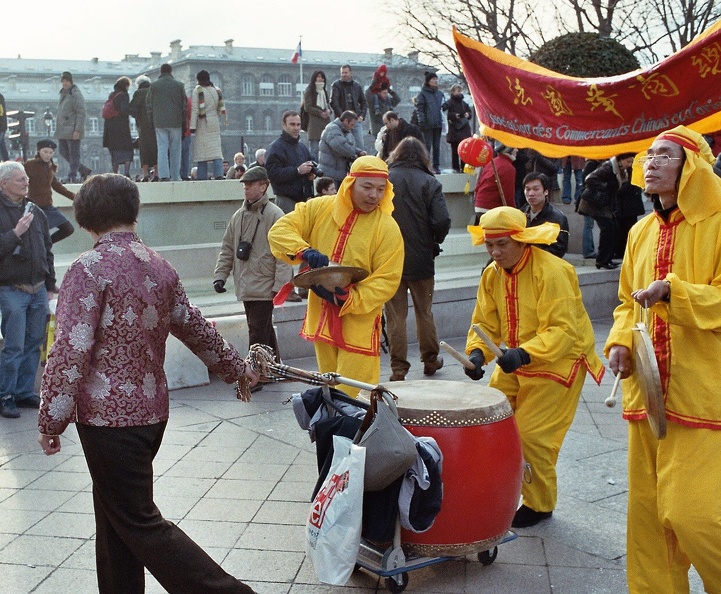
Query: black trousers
606	239
130	531
259	315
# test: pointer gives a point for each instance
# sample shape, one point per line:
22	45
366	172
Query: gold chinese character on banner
709	61
656	84
556	102
519	92
598	98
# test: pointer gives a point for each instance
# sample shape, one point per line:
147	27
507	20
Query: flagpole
300	59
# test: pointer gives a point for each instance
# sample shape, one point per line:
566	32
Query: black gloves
315	259
338	298
512	359
478	360
219	286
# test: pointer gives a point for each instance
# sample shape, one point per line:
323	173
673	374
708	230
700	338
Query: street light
48	118
19	131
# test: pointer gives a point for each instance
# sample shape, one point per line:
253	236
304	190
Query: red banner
526	106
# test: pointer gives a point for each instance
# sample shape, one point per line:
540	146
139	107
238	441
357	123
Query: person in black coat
116	133
396	130
459	116
422	215
539	210
629	206
146	130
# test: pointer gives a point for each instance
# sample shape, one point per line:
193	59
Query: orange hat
368	166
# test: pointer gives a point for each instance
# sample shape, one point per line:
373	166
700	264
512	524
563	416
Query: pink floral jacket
117	305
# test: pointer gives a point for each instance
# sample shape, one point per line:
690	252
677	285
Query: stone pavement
238	476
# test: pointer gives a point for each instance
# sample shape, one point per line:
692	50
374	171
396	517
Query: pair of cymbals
330	277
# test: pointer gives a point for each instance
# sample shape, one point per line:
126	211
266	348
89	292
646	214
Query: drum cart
393	565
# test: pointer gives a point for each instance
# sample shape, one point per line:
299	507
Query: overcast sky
84	29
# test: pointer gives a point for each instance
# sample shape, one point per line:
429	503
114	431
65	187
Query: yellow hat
699	189
368	166
506	221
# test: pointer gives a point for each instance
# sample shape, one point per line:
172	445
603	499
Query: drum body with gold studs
482	463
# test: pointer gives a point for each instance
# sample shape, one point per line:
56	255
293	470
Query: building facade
258	86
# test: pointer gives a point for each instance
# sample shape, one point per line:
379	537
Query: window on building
268	123
266	86
247	85
285	86
249	123
94	125
30	126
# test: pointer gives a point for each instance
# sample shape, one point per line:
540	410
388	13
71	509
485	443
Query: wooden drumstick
611	400
489	343
460	357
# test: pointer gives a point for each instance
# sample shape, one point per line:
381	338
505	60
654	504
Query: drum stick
489	343
611	400
460	357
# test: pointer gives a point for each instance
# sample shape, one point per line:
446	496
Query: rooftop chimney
155	58
229	47
175	48
413	56
388	54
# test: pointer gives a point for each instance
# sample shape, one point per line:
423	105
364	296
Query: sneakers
32	401
430	367
526	517
8	408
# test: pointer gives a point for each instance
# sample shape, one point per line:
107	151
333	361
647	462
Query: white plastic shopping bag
334	526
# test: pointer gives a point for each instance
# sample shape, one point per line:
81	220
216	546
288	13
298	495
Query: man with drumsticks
352	228
530	300
672	266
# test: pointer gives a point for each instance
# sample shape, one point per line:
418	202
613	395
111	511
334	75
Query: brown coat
43	182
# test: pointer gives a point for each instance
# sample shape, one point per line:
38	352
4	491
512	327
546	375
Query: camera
314	170
243	251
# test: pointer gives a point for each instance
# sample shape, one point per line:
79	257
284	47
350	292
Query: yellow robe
349	237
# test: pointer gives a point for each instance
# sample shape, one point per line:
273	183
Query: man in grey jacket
167	106
338	148
71	127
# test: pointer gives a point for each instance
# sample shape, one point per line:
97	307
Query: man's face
254	190
383	94
16	186
66	84
46	154
345	74
366	193
226	166
348	124
535	194
663	180
292	126
392	124
506	252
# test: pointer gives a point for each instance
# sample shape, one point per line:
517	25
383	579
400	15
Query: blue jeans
587	237
358	136
24	317
169	152
185	157
432	139
217	169
313	146
70	151
578	174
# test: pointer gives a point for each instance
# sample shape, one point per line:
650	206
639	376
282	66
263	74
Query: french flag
297	55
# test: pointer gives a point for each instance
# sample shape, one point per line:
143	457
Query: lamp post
48	118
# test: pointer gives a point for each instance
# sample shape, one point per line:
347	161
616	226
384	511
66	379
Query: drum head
649	380
330	277
449	403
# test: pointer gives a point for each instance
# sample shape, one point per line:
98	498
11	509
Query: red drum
482	463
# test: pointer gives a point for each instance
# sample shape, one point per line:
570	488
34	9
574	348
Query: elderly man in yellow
673	266
352	228
530	300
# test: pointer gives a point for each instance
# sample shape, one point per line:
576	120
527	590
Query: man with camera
289	165
257	275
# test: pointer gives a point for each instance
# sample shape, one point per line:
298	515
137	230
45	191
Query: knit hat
253	174
368	166
66	76
699	188
506	221
46	143
430	76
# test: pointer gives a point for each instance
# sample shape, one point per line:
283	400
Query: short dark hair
390	115
537	175
410	150
348	115
323	183
166	69
106	201
288	114
346	66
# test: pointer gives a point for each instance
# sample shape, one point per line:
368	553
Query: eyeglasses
659	160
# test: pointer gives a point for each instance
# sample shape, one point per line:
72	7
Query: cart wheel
393	586
488	557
